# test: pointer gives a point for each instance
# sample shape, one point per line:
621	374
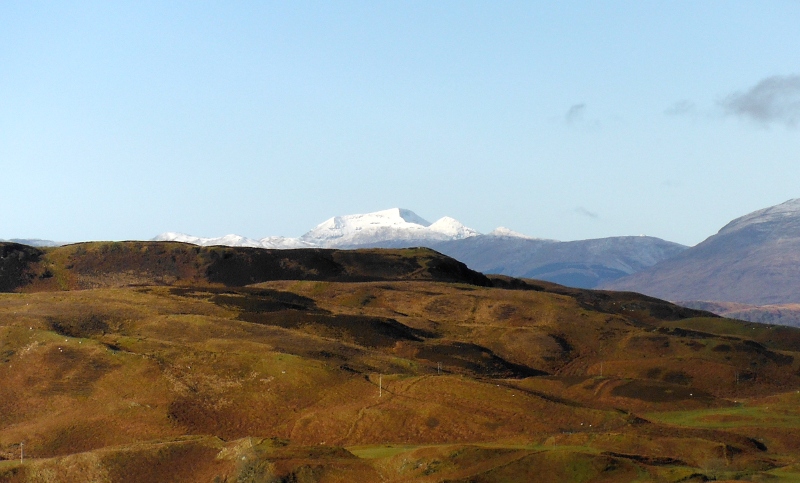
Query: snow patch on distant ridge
775	213
234	241
36	242
284	242
502	231
452	228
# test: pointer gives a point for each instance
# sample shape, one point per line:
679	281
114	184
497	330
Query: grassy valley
169	362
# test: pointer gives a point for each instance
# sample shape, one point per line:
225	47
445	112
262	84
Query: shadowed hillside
16	264
168	362
107	264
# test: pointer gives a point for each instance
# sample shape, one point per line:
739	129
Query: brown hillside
163	372
16	262
118	264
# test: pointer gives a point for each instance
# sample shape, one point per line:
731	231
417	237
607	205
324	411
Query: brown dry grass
101	382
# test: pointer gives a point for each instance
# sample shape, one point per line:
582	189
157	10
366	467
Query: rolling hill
145	361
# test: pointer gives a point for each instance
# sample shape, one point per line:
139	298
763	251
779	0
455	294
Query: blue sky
565	120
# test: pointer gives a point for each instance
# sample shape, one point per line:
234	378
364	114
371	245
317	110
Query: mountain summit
779	219
396	224
754	259
395	227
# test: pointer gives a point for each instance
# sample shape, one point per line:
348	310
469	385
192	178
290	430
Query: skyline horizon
426	219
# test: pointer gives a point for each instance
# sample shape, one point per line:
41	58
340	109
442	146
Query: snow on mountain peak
177	237
408	216
788	209
234	241
228	240
502	231
452	228
392	225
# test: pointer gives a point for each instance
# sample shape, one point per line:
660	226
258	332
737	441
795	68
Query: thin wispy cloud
681	108
575	114
576	117
773	100
588	214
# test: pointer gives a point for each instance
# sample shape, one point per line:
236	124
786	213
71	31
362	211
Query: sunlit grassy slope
166	362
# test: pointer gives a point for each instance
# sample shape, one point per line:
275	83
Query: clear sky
566	120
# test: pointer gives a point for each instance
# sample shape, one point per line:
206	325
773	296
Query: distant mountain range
584	264
35	242
396	225
781	314
754	259
750	269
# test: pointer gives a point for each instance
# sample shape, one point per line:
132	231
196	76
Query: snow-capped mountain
503	232
235	241
584	263
229	240
396	225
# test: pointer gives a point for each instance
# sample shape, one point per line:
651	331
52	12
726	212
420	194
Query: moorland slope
171	362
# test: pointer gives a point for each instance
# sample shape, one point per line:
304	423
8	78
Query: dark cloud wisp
680	108
773	100
575	113
584	212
